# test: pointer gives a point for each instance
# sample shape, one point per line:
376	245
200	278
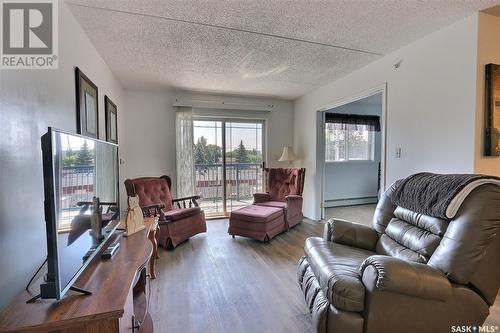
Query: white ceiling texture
274	48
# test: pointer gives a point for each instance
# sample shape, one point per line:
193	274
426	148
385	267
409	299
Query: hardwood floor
214	283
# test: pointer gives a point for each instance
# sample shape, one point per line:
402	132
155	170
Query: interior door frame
320	141
223	121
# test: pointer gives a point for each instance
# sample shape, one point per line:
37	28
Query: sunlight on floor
361	214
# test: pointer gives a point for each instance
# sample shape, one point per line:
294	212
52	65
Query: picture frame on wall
87	106
492	110
111	120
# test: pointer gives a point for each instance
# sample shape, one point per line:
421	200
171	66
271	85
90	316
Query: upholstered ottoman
258	222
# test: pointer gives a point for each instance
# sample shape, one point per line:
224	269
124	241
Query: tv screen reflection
83	169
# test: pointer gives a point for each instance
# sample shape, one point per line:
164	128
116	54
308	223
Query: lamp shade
287	155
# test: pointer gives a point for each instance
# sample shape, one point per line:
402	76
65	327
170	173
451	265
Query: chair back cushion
411	236
463	248
284	181
471	240
151	191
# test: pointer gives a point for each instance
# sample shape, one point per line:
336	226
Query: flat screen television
76	169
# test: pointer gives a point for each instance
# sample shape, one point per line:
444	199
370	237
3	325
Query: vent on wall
223	104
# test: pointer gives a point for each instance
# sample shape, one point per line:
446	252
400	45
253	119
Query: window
342	145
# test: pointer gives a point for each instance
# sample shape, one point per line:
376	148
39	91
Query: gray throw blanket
437	195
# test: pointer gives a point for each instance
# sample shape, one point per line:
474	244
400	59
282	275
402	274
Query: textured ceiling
276	48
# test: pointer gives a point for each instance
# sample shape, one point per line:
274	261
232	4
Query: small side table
154	235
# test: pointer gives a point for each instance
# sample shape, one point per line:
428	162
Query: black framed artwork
111	120
492	110
87	106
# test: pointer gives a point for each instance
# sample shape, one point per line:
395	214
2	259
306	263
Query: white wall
488	51
429	103
30	101
149	126
150	130
354	179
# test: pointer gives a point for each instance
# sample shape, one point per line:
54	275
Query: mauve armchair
155	199
284	190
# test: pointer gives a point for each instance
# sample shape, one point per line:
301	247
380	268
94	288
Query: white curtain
184	152
105	162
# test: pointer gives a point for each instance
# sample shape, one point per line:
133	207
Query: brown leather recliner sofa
409	272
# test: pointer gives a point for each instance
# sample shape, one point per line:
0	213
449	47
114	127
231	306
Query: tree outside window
348	145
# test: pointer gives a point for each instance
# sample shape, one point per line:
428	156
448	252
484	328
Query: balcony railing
76	184
242	181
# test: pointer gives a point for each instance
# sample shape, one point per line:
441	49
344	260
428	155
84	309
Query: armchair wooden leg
157	240
233	236
153	238
152	271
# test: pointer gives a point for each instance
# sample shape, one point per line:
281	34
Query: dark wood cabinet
119	302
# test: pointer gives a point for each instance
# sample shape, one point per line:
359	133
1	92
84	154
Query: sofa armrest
191	200
156	210
154	206
348	233
385	273
261	197
294	206
152	210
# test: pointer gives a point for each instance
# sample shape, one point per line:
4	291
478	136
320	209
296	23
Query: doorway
351	151
229	157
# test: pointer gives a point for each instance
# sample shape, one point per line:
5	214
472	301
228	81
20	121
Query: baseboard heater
350	201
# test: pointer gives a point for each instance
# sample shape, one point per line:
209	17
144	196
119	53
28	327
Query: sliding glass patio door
209	166
229	158
244	162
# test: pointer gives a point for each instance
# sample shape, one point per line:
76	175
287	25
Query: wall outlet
398	153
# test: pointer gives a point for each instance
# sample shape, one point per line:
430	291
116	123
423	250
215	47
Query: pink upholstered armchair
177	224
284	190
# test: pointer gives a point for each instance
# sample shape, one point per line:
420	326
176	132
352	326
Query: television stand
119	302
80	290
76	289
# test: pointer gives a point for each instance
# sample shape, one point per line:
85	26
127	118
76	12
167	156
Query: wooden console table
119	300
